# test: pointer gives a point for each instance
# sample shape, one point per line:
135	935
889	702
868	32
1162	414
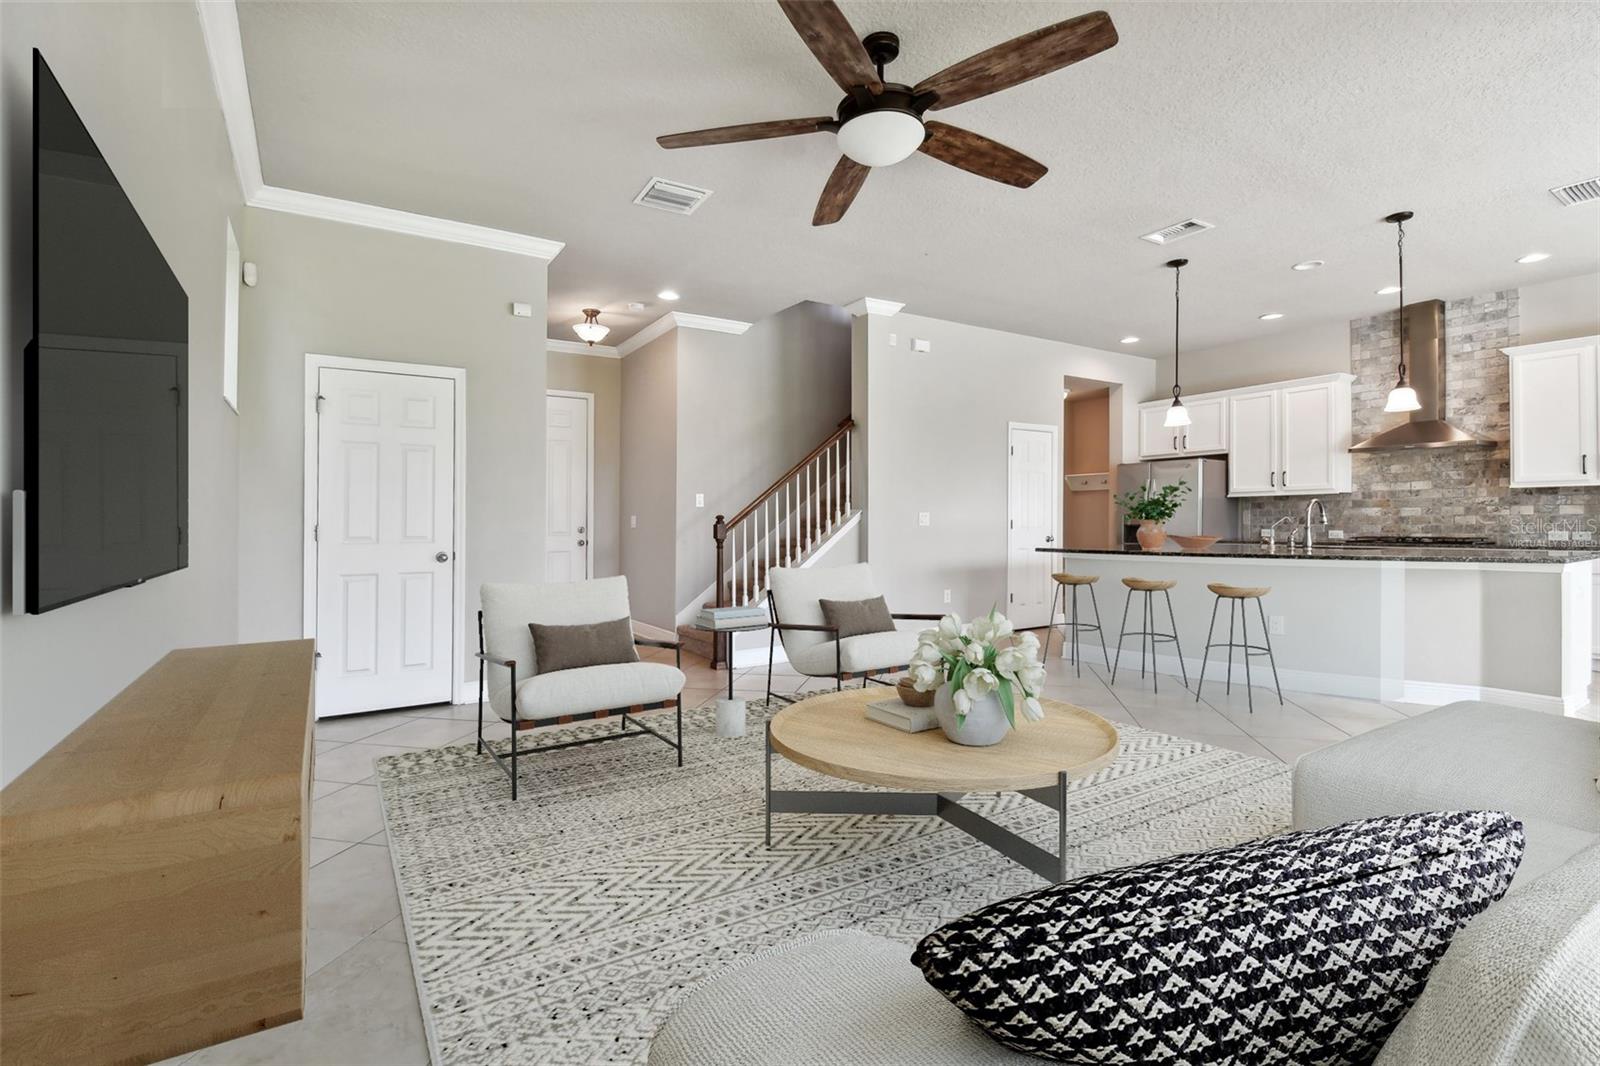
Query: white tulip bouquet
972	661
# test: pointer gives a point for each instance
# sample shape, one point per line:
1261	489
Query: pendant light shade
589	329
1402	397
1177	414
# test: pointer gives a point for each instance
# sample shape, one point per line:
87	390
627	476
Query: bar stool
1236	595
1149	588
1065	581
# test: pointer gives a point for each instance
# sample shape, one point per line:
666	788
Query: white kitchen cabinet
1555	432
1253	453
1207	433
1291	438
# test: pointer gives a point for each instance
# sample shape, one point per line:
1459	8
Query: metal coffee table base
945	805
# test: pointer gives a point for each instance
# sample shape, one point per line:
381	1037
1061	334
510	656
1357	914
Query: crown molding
680	320
328	208
219	26
598	351
871	305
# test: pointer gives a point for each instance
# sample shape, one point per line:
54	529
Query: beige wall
139	77
936	430
650	479
603	378
1556	310
334	289
1087	440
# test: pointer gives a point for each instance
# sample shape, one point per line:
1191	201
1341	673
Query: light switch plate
699	499
894	339
924	518
947	595
1558	534
633	521
1583	534
1335	534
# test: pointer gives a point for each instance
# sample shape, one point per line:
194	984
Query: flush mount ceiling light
1388	290
1177	414
1534	257
1130	340
1402	397
881	138
1271	316
666	294
590	330
1309	264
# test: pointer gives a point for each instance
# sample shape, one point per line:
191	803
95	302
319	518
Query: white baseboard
1441	692
645	629
467	693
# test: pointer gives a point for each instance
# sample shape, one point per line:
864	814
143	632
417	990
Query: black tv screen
105	380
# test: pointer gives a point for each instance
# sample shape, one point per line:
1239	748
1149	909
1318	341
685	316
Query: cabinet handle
1174	442
1186	442
1584	464
1286	479
1274	479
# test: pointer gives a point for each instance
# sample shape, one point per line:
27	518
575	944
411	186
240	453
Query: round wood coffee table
832	735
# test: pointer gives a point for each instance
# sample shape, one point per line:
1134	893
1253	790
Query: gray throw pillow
852	618
571	647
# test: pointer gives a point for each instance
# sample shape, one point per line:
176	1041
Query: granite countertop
1333	550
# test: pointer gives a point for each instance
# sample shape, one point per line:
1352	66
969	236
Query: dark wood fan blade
1022	59
750	131
843	184
977	154
827	33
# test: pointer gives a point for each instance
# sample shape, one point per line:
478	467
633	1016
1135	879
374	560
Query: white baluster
849	501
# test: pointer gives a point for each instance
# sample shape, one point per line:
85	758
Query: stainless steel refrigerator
1206	510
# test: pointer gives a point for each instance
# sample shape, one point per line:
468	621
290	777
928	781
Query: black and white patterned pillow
1303	949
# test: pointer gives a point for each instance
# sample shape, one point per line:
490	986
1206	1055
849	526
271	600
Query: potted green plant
1151	510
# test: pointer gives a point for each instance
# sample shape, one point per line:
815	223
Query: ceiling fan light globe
593	332
881	138
1402	398
1177	416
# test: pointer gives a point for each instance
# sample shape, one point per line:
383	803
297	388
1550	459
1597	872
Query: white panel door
567	535
1307	462
1156	441
1253	443
1553	438
1207	433
1033	522
384	540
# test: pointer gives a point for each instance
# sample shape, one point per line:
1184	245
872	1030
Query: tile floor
361	999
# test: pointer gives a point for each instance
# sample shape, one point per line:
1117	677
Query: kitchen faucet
1321	510
1272	533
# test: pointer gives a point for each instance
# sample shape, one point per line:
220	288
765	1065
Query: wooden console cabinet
153	864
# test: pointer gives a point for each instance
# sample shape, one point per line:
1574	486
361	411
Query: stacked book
902	716
750	617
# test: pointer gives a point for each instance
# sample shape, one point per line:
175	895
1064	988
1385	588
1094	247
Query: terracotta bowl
1193	544
911	697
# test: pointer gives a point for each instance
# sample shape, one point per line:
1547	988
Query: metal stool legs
1149	633
1074	627
1243	613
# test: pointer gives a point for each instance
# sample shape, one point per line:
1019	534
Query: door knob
442	557
1049	538
581	529
581	542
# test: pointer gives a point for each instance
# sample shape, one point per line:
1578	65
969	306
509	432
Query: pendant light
1177	414
1402	397
589	329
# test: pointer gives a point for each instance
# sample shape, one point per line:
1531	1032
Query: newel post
719	531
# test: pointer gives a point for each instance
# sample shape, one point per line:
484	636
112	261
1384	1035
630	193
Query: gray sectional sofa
1518	985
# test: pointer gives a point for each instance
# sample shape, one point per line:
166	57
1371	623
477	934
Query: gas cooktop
1423	541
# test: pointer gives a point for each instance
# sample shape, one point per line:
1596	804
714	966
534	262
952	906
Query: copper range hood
1424	357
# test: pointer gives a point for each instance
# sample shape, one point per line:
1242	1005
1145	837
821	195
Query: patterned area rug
565	927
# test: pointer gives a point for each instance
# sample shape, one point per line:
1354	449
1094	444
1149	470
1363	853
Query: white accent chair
794	601
508	669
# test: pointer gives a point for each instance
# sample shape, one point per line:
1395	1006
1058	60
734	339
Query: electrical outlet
633	521
924	518
1335	534
1583	534
522	310
699	499
1275	625
1558	534
894	340
920	345
947	595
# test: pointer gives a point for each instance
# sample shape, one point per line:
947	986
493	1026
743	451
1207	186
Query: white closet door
1034	522
567	534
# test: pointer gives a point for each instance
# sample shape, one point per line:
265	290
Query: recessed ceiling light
1130	340
1271	316
1387	290
666	294
635	305
1534	257
1309	264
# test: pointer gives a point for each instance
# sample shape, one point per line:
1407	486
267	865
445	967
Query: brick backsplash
1448	491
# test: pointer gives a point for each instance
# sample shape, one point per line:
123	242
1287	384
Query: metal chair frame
1235	608
1149	630
1073	626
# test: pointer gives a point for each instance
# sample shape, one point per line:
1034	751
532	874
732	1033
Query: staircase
783	526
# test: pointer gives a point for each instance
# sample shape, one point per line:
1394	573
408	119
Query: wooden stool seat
1142	584
1238	592
1075	579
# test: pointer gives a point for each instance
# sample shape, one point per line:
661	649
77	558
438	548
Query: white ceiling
1294	127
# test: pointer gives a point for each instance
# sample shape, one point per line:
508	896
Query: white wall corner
871	305
219	26
680	320
598	351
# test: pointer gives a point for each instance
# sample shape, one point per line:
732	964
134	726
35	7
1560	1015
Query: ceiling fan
880	122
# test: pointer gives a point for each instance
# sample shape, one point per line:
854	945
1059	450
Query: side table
730	711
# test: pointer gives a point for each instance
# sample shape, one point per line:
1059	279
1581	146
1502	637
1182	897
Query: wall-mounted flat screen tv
105	380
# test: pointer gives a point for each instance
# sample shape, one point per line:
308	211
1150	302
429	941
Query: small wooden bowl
911	697
1193	544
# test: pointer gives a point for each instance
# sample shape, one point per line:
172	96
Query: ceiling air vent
1178	230
1579	192
674	196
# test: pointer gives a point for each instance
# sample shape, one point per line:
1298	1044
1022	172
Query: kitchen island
1426	624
